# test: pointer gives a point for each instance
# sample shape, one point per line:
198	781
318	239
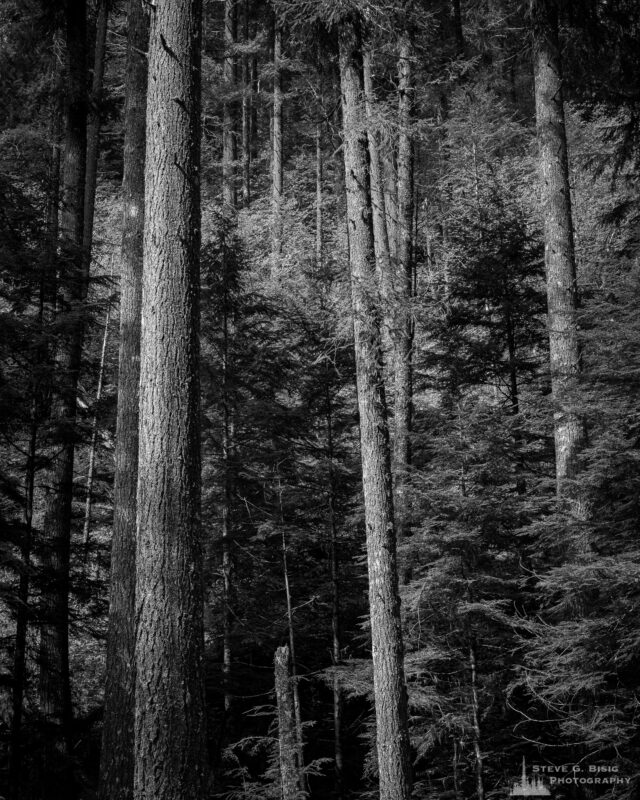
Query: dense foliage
520	618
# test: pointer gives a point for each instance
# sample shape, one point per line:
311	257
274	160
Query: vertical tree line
347	506
117	766
169	721
71	291
384	602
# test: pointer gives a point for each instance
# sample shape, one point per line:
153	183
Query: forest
319	416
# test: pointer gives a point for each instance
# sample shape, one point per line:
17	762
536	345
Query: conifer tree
403	323
387	651
54	679
116	770
170	737
562	291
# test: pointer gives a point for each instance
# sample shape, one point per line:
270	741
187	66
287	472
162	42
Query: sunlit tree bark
386	634
170	737
560	265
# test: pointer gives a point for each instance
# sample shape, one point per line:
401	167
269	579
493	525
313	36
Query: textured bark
403	328
116	765
380	232
390	189
170	737
229	193
286	725
276	150
559	246
54	688
386	634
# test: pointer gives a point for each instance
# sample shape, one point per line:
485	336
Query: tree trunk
253	116
455	768
380	231
247	102
456	13
319	176
297	711
93	127
390	189
475	719
387	650
227	568
403	328
54	687
335	604
229	194
514	392
116	764
560	266
88	503
276	151
170	737
286	725
227	533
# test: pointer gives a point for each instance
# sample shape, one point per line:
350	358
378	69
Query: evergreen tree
384	603
169	728
116	771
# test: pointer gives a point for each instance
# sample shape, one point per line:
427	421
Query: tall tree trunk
247	102
116	762
390	189
54	686
227	568
510	331
276	151
455	768
380	231
403	328
93	444
227	533
93	126
229	193
475	719
335	602
40	390
386	633
560	266
297	711
514	393
456	14
253	116
170	737
319	177
286	725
